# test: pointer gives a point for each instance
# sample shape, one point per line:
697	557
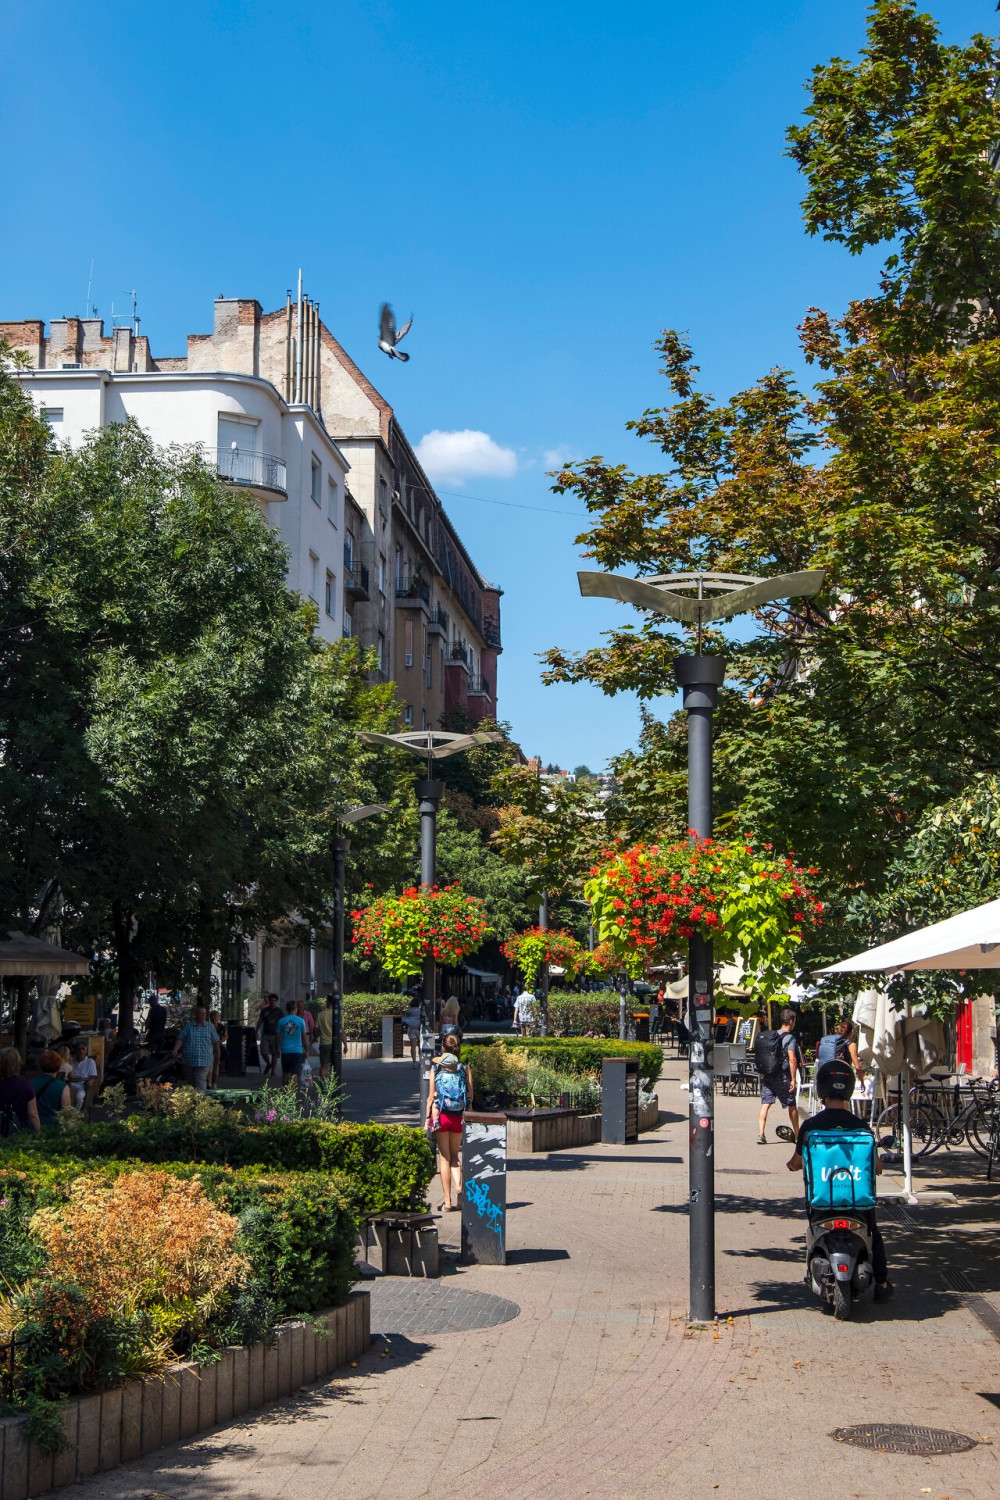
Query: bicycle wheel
978	1129
927	1128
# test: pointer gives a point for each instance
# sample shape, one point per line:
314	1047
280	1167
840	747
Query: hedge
362	1015
585	1055
582	1013
297	1229
384	1167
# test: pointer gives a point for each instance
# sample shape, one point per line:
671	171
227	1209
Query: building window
53	415
316	481
314	577
348	624
399	568
330	601
408	632
380	648
381	572
331	501
423	718
349	548
383	496
408	714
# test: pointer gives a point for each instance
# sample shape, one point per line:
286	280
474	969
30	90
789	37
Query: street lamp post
430	745
700	678
543	972
341	849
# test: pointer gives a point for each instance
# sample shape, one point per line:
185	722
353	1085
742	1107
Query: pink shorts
451	1123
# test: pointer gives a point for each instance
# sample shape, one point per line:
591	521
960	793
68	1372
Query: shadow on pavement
533	1257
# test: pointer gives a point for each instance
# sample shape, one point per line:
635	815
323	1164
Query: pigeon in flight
388	338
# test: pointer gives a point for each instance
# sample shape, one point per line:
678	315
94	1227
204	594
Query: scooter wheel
841	1301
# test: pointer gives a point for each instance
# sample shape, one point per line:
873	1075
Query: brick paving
599	1387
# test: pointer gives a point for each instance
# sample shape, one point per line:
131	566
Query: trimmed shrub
581	1055
385	1167
362	1015
584	1014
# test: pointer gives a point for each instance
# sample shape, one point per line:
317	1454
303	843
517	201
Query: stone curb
113	1427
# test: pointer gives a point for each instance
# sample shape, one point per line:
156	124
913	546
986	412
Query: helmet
835	1080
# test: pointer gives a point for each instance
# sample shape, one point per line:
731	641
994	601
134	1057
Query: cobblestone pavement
599	1387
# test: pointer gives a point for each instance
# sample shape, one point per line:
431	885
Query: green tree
850	714
551	830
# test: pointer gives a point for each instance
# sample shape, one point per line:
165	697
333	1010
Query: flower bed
112	1269
506	1066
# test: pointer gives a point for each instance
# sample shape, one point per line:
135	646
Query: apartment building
82	379
280	407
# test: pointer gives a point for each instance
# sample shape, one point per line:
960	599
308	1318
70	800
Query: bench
401	1244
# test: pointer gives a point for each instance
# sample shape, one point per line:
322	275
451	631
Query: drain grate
921	1442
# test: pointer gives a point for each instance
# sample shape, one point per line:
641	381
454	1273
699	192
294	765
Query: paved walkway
599	1387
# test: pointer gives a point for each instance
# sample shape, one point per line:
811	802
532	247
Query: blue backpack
831	1047
839	1167
450	1091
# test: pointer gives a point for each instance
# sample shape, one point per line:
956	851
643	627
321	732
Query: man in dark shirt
267	1032
835	1086
156	1024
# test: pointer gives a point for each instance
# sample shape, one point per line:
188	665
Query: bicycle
931	1128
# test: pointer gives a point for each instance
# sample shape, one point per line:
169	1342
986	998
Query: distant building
280	408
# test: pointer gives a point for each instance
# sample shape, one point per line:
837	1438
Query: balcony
459	654
480	685
356	577
490	631
257	471
438	622
413	591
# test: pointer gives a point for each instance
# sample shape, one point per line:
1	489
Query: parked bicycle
938	1118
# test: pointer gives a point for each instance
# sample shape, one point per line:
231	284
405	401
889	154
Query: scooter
127	1065
839	1258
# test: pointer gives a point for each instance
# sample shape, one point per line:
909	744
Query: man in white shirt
84	1069
524	1012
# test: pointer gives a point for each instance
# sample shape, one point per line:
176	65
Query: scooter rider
835	1086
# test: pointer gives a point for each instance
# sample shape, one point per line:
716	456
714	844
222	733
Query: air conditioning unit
408	659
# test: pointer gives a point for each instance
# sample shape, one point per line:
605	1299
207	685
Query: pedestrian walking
778	1060
411	1025
223	1033
841	1045
524	1012
267	1033
450	1019
292	1042
156	1025
324	1030
197	1046
448	1097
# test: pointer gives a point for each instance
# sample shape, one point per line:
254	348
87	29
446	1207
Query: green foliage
553	831
401	931
384	1166
362	1015
578	1056
595	1012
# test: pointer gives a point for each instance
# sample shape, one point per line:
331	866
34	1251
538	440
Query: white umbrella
969	941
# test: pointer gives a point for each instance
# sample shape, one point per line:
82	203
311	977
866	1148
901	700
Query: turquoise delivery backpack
839	1168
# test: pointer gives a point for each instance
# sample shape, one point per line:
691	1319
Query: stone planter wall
363	1049
113	1427
560	1130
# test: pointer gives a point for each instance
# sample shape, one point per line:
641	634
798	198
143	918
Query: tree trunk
122	923
21	1017
206	953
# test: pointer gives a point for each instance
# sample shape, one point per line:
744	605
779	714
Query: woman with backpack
448	1097
840	1045
18	1110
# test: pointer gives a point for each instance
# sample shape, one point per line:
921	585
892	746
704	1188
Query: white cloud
455	457
558	457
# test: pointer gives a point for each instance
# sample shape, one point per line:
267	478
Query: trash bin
484	1188
641	1020
392	1036
619	1101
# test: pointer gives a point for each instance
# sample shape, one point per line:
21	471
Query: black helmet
835	1080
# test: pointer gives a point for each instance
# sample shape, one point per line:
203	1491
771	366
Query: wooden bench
401	1244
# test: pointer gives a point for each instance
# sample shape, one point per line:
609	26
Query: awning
484	975
24	957
969	941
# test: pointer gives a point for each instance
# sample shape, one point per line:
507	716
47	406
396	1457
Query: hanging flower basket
647	899
528	950
401	931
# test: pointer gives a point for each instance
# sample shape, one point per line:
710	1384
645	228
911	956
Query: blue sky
544	185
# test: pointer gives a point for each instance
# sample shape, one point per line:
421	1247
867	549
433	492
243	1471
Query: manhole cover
922	1442
403	1305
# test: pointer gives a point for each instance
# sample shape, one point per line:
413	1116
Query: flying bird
388	338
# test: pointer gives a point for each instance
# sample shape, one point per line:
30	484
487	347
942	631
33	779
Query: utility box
392	1036
620	1101
484	1189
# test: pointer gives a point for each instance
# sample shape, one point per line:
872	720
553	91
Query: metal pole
700	678
543	974
428	796
341	849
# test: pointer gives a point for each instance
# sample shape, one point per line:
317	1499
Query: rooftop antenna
90	282
135	313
